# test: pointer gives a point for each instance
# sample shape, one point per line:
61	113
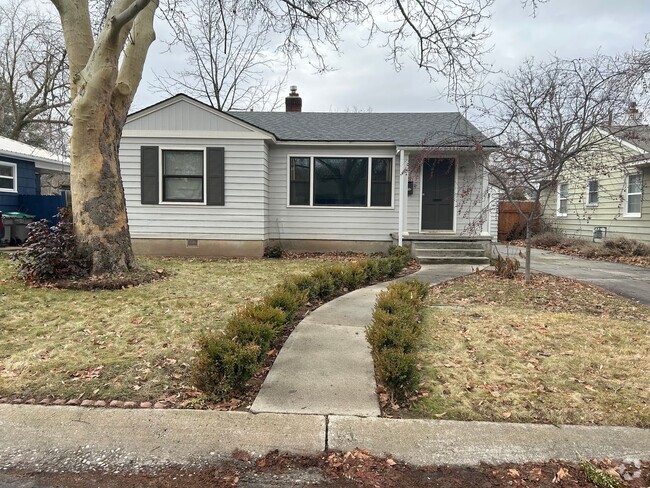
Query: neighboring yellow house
612	193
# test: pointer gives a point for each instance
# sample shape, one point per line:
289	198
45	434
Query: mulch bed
350	469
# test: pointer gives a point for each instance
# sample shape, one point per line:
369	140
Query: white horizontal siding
242	217
362	224
610	212
185	116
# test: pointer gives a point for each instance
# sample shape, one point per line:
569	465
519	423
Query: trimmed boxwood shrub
395	334
227	360
223	365
245	330
261	312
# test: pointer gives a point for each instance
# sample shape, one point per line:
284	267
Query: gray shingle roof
638	135
404	129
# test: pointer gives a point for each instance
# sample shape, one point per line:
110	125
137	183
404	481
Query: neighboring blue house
31	179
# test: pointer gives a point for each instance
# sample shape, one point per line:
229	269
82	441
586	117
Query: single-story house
611	200
31	182
199	181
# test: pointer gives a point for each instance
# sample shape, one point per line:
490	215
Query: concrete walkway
325	366
72	439
623	279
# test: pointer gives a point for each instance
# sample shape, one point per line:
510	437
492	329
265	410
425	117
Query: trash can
5	233
17	223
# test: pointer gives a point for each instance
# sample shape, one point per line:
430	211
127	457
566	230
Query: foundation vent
192	243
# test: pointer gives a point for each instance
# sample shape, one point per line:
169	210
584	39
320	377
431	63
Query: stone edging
85	403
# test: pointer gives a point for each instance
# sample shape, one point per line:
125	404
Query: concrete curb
434	442
73	439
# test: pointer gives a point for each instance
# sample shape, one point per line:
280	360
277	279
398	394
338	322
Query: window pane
7	183
299	179
6	171
381	182
564	190
593	191
341	181
563	206
183	189
634	184
634	204
299	193
299	169
183	163
381	170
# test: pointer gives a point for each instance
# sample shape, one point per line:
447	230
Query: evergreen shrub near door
395	334
227	359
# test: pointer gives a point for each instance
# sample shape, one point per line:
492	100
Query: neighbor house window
182	176
633	195
592	192
8	177
563	199
340	181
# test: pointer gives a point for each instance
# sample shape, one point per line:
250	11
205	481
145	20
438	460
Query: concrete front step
455	260
441	253
446	245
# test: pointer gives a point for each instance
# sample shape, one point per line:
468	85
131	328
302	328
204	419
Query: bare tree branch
33	75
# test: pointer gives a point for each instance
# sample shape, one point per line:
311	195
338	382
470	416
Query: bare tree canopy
34	98
233	66
555	118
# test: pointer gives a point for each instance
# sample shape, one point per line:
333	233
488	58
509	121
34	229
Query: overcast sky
362	77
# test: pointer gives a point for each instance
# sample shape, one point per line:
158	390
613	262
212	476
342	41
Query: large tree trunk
102	92
98	204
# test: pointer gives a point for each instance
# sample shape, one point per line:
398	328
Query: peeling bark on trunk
98	204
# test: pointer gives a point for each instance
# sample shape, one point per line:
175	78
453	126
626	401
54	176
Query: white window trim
627	195
311	181
161	179
14	168
559	194
587	204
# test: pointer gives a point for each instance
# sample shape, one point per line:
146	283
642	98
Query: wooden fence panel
511	224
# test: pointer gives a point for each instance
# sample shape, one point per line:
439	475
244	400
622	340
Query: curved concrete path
325	366
623	279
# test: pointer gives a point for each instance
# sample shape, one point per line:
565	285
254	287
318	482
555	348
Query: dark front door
438	194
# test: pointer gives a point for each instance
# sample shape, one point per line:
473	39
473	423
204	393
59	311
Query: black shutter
149	180
215	176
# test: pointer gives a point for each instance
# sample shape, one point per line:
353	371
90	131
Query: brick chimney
293	102
634	117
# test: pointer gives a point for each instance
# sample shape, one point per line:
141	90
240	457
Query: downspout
402	194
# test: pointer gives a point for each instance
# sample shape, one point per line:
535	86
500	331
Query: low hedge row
395	334
228	358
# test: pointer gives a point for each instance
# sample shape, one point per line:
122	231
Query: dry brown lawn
554	351
130	344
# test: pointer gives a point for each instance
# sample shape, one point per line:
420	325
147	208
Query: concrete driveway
623	279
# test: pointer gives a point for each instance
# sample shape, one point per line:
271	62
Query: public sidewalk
325	366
